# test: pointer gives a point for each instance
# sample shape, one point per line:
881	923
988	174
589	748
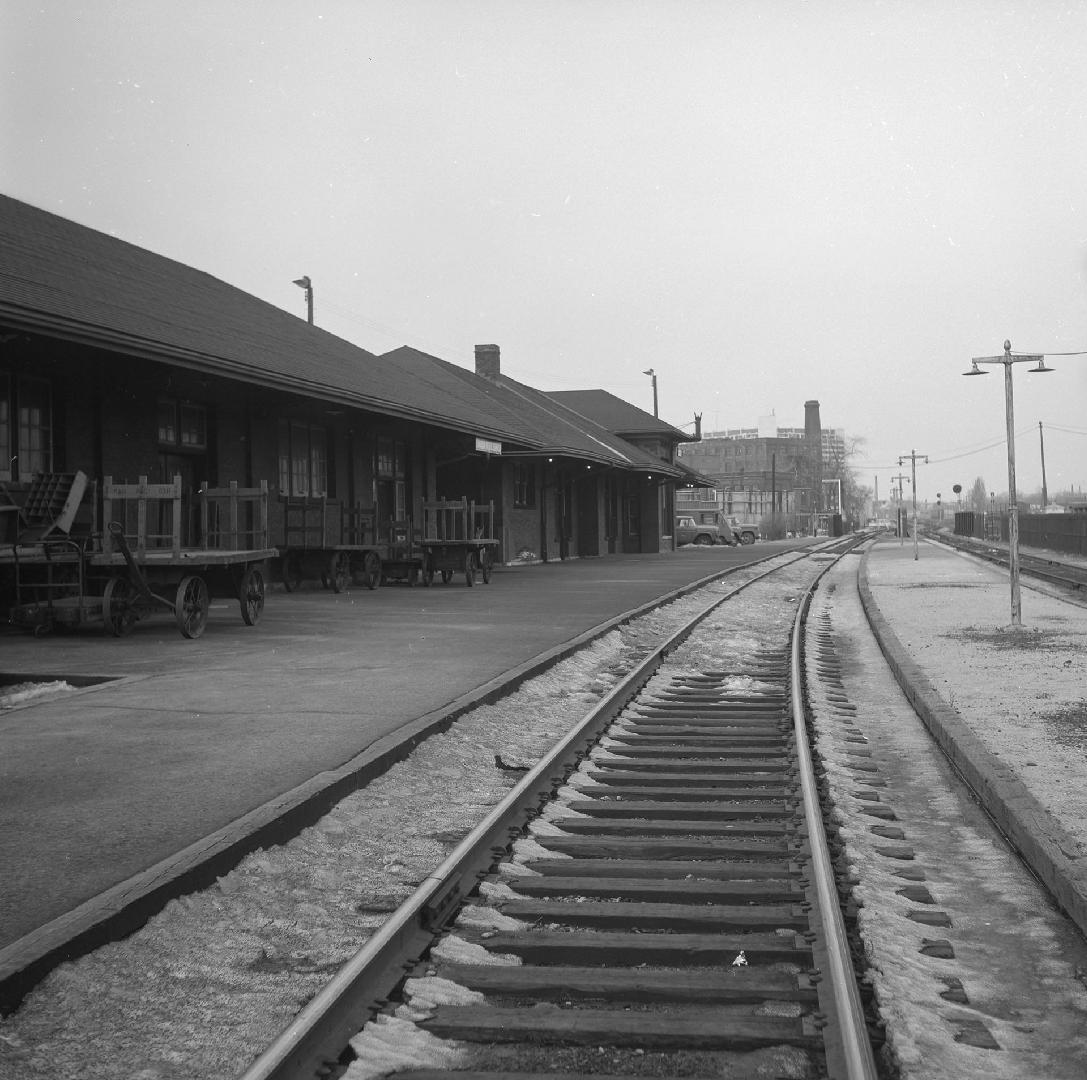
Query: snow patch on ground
391	1044
25	692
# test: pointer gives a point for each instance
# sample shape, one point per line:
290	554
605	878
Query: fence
1055	532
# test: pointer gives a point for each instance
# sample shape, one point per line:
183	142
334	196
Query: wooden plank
685	918
190	559
653	870
635	826
634	749
665	1029
630	949
701	772
678	809
731	984
739	790
678	891
608	847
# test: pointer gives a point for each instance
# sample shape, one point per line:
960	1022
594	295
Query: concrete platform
117	796
1008	705
198	743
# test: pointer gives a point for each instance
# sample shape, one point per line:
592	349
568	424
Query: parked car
747	532
690	531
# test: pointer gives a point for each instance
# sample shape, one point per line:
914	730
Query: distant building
769	468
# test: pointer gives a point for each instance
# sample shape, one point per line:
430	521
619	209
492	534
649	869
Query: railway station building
119	363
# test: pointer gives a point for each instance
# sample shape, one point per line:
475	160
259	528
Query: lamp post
305	283
1013	503
652	374
913	455
900	525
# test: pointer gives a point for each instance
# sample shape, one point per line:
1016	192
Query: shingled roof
618	415
546	425
72	282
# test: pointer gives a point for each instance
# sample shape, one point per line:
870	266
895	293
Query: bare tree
979	497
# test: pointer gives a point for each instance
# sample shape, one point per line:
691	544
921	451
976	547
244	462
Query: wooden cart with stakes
146	569
458	538
321	538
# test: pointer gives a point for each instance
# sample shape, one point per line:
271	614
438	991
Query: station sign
488	446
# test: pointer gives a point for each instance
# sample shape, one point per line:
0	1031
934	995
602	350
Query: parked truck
746	532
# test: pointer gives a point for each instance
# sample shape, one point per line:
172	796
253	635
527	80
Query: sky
763	202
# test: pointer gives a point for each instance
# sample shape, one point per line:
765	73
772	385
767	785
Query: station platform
192	744
135	786
1007	704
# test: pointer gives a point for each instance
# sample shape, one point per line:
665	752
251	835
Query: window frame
26	443
303	459
174	435
524	485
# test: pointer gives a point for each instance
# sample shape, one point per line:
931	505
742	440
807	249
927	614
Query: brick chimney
488	361
813	445
698	427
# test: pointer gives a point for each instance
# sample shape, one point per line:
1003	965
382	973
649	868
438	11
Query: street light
652	375
305	283
1013	504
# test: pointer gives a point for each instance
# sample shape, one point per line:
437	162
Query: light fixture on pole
652	374
913	455
1009	414
305	283
900	510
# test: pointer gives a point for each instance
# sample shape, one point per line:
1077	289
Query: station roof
618	415
547	426
67	281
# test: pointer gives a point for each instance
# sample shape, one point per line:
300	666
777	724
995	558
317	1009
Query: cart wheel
485	564
118	614
191	606
252	596
338	567
469	568
447	576
292	572
371	569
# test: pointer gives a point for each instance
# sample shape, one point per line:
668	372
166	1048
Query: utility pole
1045	494
913	455
898	510
1007	360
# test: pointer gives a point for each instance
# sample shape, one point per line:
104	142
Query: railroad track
1066	575
654	898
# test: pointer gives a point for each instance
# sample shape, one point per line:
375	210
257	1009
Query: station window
183	424
26	428
303	459
391	486
524	486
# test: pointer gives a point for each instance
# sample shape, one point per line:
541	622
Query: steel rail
855	1049
362	986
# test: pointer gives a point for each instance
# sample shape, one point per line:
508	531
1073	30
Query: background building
771	473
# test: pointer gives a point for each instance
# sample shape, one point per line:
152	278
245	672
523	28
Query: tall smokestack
813	447
698	426
488	361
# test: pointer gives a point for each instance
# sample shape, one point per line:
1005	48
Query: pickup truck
691	531
747	532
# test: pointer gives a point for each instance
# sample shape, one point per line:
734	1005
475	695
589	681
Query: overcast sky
764	202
